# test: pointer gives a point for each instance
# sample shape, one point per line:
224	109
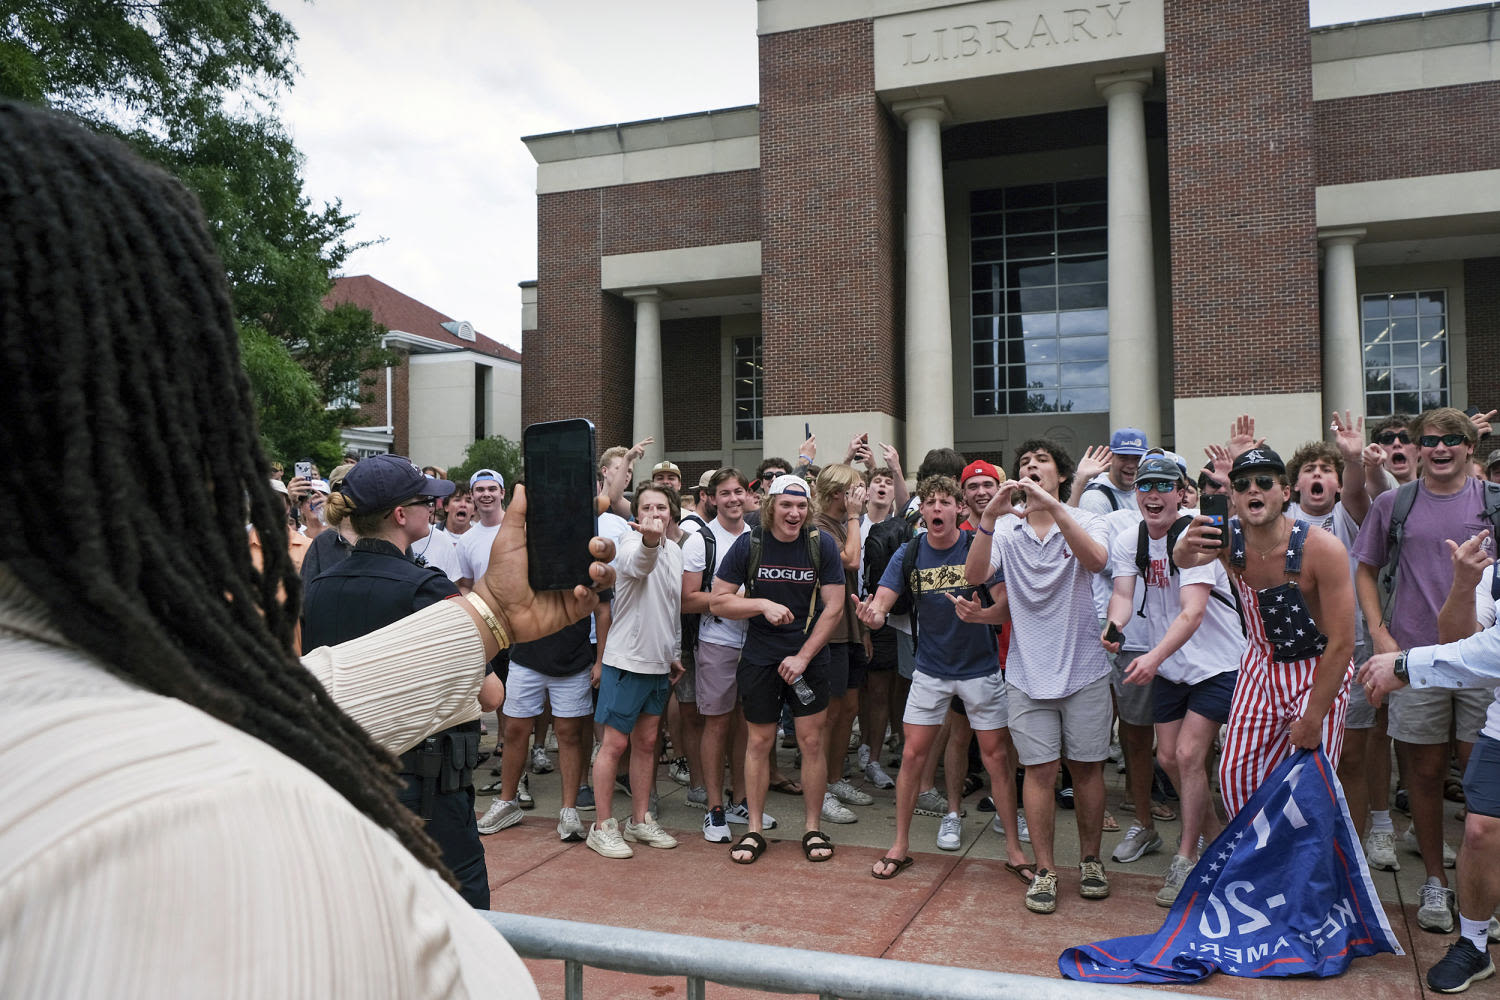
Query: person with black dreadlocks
250	831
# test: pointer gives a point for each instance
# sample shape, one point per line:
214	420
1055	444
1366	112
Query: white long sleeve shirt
645	632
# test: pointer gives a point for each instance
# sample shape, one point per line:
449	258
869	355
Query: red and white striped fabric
1268	698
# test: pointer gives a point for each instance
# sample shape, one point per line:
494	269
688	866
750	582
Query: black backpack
1389	575
814	555
1143	566
1109	494
690	622
884	540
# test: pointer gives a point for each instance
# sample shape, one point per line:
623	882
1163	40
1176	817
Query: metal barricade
771	969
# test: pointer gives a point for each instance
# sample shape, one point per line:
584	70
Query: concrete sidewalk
961	908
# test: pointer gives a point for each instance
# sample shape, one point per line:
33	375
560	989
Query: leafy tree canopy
193	84
498	453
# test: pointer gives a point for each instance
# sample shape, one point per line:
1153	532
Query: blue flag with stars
1283	891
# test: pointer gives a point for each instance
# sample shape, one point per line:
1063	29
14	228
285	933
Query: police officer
387	502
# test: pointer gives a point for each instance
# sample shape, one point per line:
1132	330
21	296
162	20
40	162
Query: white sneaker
604	839
1024	833
997	826
697	796
1438	903
540	763
1176	875
679	772
863	756
1409	841
500	815
875	775
1380	850
950	833
715	827
650	833
835	811
569	826
1494	929
523	792
552	739
739	815
1136	844
847	793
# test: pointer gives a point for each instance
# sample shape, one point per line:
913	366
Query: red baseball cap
979	467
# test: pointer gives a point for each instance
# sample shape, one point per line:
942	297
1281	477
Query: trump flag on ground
1283	891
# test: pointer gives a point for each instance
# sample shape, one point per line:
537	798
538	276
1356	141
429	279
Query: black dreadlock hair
121	361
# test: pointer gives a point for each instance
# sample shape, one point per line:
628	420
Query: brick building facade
975	223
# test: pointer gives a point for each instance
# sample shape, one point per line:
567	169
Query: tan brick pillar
649	420
1343	355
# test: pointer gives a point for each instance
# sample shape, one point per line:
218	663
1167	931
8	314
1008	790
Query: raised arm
1458	619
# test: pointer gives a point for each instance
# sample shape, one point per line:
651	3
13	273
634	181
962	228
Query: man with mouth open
1293	688
1448	506
1057	684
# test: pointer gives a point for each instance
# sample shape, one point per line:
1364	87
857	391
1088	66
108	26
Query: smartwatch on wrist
1399	668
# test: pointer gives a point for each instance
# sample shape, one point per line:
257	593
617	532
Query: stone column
1134	393
1343	357
929	328
649	419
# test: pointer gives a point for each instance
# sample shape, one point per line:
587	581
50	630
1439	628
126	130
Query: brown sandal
816	840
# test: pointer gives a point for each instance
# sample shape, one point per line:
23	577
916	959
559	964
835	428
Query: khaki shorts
1075	727
1424	715
983	698
714	681
1133	701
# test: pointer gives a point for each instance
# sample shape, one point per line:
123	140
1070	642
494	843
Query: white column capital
1345	235
933	108
1130	81
643	294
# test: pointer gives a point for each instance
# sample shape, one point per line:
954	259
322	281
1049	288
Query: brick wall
682	212
401	406
692	396
1410	133
1240	173
830	225
1482	316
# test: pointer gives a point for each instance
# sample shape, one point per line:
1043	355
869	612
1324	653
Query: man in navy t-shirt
792	606
955	658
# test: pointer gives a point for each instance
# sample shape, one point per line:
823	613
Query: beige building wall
441	407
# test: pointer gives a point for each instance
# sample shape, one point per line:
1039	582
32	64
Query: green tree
193	85
498	453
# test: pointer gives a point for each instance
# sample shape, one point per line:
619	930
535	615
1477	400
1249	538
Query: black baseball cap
1256	458
380	482
1158	467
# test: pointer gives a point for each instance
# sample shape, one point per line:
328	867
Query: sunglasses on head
1391	437
1159	485
1242	484
1451	440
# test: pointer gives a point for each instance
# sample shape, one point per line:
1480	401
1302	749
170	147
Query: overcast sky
413	115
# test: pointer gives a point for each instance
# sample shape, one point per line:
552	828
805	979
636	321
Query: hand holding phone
1215	507
559	456
1113	634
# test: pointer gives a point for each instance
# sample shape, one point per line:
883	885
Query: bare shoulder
1323	546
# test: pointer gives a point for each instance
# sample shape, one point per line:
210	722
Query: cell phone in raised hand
560	489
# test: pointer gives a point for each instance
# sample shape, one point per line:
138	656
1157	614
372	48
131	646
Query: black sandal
749	841
816	840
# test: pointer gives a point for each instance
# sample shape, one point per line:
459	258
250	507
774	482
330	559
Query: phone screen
1215	506
560	488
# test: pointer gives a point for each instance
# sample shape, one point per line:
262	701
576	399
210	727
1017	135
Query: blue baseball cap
1128	441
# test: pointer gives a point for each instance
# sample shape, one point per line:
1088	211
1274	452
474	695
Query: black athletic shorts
763	692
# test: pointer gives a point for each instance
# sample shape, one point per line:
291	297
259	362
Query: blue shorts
1482	779
625	697
1209	698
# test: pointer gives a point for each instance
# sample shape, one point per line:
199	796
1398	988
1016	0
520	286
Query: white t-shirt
1096	502
1486	609
719	631
1054	644
1217	644
474	550
440	551
1116	523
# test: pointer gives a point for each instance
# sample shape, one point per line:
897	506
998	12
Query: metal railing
772	969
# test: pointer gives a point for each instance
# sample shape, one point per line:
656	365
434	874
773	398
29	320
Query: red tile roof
397	311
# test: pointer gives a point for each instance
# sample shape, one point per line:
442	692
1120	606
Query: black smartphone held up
806	430
1113	633
1215	506
560	488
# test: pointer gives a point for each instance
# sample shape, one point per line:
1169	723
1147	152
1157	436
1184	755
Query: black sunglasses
1391	437
1451	440
1159	485
1243	483
428	502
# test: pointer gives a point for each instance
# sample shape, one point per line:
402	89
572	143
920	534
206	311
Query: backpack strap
752	562
815	556
913	581
1390	573
1109	494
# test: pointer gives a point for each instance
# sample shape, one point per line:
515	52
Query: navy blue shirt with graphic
786	577
946	647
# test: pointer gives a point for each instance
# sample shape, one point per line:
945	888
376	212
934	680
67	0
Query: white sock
1477	931
1380	821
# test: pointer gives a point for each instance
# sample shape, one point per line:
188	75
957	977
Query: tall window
1405	351
748	388
1040	298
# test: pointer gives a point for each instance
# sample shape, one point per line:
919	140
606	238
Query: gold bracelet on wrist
493	623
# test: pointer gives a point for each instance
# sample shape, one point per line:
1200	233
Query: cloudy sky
412	114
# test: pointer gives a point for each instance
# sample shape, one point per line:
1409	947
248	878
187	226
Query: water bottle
804	693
